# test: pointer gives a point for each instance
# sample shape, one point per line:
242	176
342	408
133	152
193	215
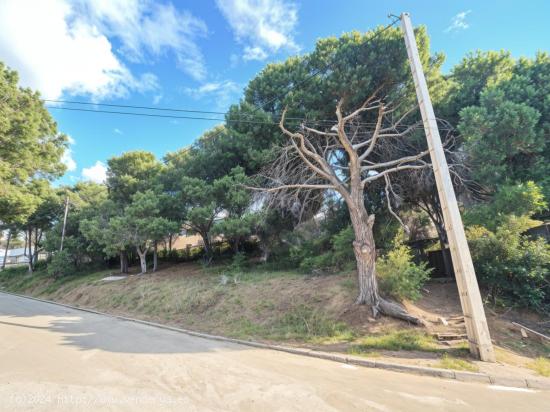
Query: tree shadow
88	331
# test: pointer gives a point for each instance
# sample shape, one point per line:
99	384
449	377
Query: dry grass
269	305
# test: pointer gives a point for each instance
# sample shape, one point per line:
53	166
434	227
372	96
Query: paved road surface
55	358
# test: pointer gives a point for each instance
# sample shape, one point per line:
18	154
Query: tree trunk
123	262
207	246
365	255
142	259
170	243
155	257
6	251
125	255
37	240
28	235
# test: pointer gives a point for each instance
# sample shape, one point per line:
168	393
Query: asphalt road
54	358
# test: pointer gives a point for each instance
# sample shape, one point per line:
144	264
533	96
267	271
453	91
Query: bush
61	265
398	275
343	256
514	269
324	253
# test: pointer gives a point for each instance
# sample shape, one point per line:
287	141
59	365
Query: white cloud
222	94
157	98
458	22
117	131
254	53
96	173
64	46
67	157
68	161
263	26
147	28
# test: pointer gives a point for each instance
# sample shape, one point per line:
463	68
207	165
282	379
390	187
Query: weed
398	340
449	362
305	322
541	365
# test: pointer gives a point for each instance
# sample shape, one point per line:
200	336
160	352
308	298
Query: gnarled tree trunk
365	254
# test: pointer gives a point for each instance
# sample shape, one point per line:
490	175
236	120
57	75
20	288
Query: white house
17	256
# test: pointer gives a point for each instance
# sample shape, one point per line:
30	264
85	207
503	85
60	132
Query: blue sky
201	54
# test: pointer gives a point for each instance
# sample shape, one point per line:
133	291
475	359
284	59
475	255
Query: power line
273	123
227	120
127	106
166	109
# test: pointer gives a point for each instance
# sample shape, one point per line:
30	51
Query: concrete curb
531	383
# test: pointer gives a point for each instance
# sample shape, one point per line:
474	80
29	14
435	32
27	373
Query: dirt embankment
314	311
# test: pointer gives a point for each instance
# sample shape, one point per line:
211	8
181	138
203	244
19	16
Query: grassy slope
262	305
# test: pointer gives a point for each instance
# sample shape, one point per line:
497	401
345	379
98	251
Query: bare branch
397	161
393	170
389	189
295	186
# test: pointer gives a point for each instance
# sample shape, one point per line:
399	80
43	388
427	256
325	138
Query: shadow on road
89	331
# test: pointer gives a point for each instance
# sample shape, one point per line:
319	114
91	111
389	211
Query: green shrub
343	256
323	262
238	262
513	268
398	275
61	265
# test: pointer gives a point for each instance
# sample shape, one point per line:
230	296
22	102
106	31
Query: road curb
531	383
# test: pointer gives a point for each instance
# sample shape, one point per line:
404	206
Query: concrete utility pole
468	289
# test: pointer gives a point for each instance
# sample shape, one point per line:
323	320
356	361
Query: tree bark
142	259
6	251
207	246
155	257
29	244
125	255
123	262
170	243
365	254
37	240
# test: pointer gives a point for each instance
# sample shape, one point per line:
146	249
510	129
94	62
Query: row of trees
497	119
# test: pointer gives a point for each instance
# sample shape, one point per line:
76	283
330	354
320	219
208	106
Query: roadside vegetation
290	265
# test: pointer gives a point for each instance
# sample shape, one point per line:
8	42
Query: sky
199	55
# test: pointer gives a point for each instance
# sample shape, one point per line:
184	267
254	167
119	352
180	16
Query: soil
250	305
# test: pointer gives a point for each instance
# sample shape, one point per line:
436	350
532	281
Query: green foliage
522	199
398	275
130	173
513	268
238	262
30	147
61	265
501	138
343	256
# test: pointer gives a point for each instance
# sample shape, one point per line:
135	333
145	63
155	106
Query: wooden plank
532	333
470	297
